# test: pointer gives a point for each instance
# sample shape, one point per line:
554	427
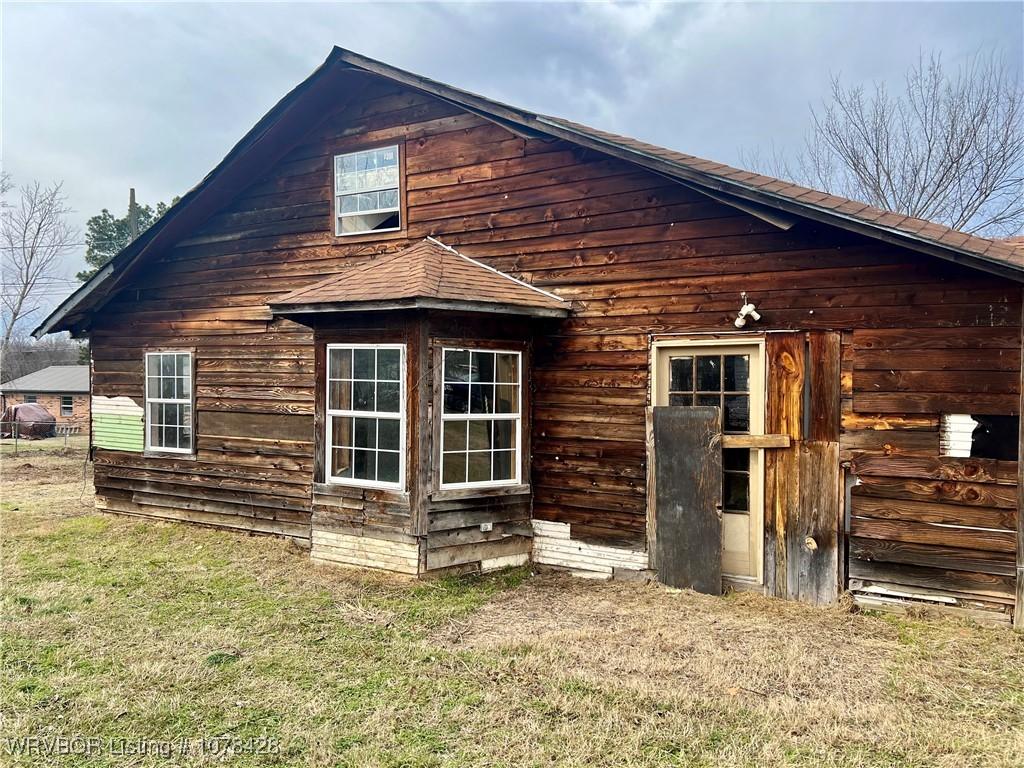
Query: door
729	375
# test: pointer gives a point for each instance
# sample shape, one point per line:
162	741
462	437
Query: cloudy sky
110	96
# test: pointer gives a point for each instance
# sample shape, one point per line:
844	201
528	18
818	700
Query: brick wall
51	402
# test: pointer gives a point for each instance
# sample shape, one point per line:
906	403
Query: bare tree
34	236
949	148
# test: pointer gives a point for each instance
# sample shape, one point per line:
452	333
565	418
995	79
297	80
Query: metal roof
56	378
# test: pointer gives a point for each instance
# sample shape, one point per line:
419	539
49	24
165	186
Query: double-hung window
366	415
481	418
169	402
67	405
366	190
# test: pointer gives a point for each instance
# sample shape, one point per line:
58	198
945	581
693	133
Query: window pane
506	368
678	399
709	373
479	435
479	467
341	462
453	468
388	198
736	492
166	365
736	459
388	364
362	396
364	434
387	467
504	434
364	465
681	369
737	413
181	365
185	387
481	398
456	398
363	365
340	396
167	386
369	222
341	431
506	398
455	435
154	386
456	365
737	373
503	465
387	397
715	400
340	363
482	367
389	434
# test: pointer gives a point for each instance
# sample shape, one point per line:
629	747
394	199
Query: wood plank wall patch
365	552
553	545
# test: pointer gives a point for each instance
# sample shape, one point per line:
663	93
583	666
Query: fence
19	431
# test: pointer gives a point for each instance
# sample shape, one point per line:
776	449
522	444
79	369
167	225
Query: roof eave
390	305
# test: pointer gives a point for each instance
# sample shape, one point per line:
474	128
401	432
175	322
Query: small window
366	192
67	405
169	402
29	399
481	418
365	422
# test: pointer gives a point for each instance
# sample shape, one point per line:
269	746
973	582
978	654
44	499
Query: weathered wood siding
637	254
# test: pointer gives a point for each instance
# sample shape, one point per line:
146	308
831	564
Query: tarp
30	419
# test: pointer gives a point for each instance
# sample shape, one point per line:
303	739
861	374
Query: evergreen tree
106	234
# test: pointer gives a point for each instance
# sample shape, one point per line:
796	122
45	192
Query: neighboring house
419	330
63	390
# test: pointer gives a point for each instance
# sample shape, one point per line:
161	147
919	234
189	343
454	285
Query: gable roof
427	274
56	378
346	72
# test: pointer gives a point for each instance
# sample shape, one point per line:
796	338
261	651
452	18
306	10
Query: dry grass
116	628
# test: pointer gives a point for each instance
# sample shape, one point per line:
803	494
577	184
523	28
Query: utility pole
133	215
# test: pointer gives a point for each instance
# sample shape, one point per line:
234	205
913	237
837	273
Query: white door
730	375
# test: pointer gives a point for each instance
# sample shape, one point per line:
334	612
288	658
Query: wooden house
416	329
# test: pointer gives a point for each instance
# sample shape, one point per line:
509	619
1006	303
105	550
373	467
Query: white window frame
330	413
70	406
338	216
190	401
516	418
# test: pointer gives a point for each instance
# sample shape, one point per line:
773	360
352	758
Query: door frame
663	344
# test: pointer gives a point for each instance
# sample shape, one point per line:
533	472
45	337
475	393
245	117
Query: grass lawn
140	634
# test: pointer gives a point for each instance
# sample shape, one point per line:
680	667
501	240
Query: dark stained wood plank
688	497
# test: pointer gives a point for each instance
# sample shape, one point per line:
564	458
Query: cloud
109	96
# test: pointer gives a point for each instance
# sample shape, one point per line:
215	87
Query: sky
108	96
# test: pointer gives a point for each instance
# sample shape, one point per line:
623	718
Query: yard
146	639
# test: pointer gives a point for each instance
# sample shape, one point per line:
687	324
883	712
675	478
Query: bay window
169	401
481	414
365	415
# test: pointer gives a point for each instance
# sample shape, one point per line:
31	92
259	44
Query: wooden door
729	375
688	497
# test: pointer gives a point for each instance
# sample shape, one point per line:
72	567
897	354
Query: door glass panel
736	413
737	373
709	373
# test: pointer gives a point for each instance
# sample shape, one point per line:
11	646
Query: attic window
979	437
366	192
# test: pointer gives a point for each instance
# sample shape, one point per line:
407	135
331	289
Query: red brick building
63	390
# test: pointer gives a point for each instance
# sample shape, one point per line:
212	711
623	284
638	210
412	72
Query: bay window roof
427	274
